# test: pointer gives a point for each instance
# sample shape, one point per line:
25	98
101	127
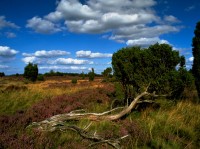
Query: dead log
61	118
59	121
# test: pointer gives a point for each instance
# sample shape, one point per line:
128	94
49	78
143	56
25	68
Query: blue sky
76	35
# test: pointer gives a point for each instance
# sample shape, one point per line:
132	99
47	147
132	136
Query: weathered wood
58	121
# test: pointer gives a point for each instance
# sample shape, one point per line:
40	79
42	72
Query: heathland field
166	124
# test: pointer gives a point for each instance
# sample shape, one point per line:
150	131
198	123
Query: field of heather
169	125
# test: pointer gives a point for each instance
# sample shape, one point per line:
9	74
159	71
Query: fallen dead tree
58	122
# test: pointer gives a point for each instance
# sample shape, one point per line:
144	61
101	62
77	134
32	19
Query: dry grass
173	125
13	98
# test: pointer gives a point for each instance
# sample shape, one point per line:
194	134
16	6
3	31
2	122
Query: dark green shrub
31	72
91	75
107	74
2	74
156	66
40	78
74	81
82	75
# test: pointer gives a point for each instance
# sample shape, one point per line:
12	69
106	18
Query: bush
82	75
91	75
2	74
31	72
40	78
135	68
74	81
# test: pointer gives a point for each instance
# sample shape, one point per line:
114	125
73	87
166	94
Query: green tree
136	68
2	74
196	54
182	62
31	72
82	75
91	75
107	73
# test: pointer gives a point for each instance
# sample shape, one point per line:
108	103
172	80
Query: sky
77	35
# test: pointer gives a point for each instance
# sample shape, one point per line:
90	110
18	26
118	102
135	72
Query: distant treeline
52	73
56	73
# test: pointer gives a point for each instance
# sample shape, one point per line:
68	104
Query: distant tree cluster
31	72
2	74
53	73
156	66
107	73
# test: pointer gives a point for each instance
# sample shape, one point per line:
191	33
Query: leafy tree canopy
196	54
31	72
107	73
157	65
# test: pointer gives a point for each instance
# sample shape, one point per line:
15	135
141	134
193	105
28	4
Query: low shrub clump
74	81
40	78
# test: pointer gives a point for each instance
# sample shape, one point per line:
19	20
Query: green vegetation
2	74
31	72
107	73
40	77
172	125
136	68
74	81
163	123
196	54
91	75
82	75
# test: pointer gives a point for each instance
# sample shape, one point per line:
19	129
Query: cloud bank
90	54
47	54
53	59
126	20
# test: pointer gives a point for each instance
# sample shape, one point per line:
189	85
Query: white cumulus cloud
46	54
42	26
124	19
171	19
142	31
70	61
27	60
90	54
145	42
7	51
7	24
63	68
191	59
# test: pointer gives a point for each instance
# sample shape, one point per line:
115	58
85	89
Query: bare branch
59	121
86	127
146	101
96	138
